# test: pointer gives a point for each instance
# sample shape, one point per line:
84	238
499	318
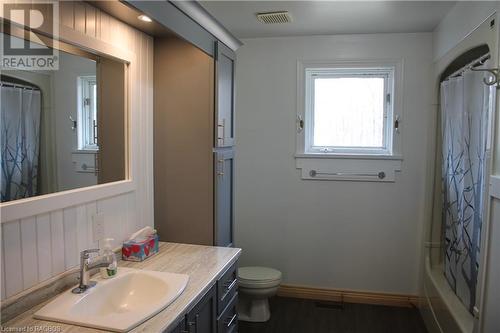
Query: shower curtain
20	141
465	104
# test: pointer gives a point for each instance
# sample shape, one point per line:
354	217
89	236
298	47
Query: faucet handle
85	253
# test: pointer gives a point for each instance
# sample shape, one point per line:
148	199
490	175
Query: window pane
87	132
349	112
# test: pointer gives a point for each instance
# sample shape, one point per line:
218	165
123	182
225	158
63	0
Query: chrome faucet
86	264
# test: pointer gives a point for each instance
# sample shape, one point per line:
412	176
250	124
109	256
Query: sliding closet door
183	131
111	115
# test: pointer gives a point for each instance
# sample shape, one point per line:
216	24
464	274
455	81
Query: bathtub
441	309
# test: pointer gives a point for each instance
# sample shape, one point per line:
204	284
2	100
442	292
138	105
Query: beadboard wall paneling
40	247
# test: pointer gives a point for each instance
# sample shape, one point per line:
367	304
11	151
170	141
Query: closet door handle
220	171
223	126
96	164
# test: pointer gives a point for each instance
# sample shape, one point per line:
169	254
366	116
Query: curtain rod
478	62
16	85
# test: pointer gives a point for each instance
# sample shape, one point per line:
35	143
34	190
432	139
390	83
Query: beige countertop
203	264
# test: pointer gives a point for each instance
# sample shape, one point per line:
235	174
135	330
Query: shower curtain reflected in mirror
20	141
465	103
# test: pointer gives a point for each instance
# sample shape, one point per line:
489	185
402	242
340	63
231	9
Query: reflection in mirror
62	129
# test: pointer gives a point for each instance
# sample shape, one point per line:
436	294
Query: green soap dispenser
109	256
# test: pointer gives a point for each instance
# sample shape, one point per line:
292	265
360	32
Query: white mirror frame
18	209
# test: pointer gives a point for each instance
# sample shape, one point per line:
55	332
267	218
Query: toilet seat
258	277
256	285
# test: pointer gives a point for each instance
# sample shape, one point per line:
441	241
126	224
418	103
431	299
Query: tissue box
138	251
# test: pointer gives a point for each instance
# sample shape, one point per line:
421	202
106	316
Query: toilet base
253	310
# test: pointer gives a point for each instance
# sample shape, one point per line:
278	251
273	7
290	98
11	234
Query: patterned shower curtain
465	104
20	141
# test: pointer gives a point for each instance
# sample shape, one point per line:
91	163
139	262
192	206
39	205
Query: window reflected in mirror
62	129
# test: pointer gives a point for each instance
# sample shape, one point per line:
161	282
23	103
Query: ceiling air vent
274	17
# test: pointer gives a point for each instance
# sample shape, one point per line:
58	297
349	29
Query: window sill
349	156
84	161
86	151
342	167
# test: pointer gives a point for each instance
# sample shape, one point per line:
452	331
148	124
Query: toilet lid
258	274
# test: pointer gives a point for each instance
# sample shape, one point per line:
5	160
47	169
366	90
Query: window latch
396	124
300	124
73	123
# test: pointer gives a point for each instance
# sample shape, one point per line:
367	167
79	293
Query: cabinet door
224	190
224	95
180	328
203	317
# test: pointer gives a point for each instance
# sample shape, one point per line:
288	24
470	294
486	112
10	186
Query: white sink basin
117	304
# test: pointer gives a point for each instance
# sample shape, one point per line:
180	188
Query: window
348	120
87	113
348	111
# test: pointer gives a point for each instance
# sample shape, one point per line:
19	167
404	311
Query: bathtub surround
330	235
467	25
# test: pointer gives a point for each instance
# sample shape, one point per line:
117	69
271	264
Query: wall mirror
65	128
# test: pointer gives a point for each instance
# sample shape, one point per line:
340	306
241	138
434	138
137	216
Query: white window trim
312	73
350	164
83	124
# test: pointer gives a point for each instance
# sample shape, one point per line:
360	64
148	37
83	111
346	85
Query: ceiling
329	17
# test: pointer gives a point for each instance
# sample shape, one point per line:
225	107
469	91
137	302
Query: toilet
256	285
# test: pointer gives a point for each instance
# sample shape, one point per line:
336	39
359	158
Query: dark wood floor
289	315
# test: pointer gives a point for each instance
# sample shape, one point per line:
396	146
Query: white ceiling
329	17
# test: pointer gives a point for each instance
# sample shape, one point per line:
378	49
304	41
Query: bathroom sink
117	304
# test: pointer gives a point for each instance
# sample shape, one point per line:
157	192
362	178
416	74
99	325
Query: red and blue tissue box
140	250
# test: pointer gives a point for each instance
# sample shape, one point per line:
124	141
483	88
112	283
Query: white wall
66	105
39	247
463	18
346	235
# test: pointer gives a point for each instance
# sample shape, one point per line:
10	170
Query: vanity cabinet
202	318
217	311
180	328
